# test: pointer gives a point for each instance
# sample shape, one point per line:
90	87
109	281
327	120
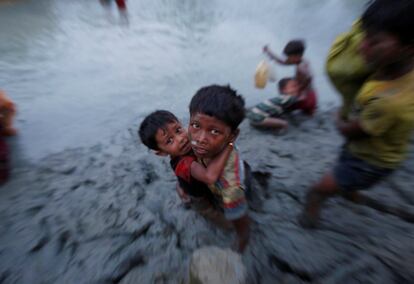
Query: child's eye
215	132
179	129
169	140
195	125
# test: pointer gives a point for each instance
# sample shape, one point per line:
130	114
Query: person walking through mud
379	125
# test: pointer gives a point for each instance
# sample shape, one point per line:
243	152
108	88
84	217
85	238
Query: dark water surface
80	71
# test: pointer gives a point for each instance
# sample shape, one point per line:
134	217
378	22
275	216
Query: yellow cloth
262	75
385	110
346	67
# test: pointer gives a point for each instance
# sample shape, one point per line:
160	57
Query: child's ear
234	135
160	153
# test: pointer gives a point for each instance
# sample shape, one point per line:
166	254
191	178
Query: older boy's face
208	135
294	59
380	48
173	140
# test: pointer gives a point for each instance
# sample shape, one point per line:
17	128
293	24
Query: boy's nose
201	137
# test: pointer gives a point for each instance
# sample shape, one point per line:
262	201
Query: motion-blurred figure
379	124
121	4
7	113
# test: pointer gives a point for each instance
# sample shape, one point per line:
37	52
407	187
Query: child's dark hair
294	47
283	82
392	16
221	102
150	125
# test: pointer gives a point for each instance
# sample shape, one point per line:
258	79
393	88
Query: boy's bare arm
274	56
302	95
350	129
242	226
212	172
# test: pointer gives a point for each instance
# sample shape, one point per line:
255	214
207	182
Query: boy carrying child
215	115
163	133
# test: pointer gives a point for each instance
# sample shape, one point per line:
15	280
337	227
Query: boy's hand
339	121
349	129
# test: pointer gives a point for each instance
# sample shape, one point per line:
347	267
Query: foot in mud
217	218
307	221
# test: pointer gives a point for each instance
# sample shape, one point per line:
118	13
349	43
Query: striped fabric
273	107
229	189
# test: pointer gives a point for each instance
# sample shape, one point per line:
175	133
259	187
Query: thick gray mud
110	214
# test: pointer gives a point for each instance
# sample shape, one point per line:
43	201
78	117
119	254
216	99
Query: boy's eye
195	125
169	140
179	129
215	132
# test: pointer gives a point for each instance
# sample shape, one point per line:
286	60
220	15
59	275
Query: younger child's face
291	88
173	140
208	135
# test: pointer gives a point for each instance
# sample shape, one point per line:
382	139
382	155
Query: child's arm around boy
163	133
209	174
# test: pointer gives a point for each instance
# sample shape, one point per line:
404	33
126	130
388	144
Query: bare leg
271	122
324	189
205	208
217	218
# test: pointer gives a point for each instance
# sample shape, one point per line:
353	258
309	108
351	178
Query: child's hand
183	196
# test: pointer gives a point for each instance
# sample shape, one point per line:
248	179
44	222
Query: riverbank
109	214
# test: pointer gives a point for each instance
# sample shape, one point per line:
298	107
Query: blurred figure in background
122	9
7	113
121	4
380	122
293	53
268	113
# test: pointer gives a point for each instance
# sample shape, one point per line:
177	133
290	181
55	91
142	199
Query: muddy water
82	70
84	73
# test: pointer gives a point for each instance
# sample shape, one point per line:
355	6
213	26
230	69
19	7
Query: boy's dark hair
392	16
294	47
283	82
221	102
150	125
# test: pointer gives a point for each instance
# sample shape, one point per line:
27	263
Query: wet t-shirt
385	111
